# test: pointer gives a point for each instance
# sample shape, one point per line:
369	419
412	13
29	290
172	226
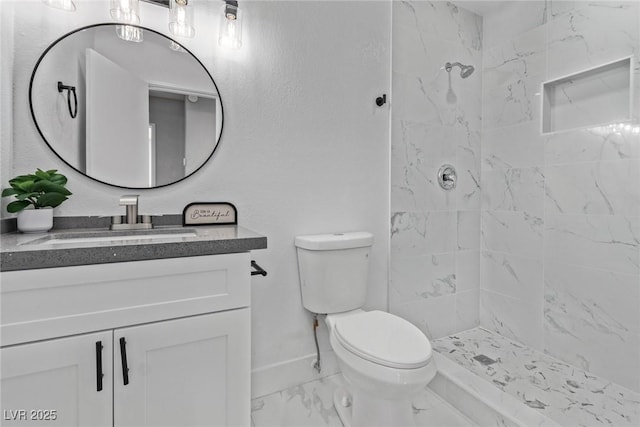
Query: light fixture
128	12
130	33
176	47
231	25
181	18
67	5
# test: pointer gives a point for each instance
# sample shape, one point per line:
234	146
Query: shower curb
480	400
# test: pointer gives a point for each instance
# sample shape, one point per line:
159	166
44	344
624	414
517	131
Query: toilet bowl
385	361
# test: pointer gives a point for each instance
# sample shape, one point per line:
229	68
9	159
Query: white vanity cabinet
55	383
171	338
186	372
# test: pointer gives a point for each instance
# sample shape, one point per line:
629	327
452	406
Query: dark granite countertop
63	247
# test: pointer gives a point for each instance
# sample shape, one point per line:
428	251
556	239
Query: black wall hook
381	100
73	111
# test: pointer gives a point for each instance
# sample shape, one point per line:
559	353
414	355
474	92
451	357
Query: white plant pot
35	220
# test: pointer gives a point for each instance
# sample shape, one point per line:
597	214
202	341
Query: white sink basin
118	238
145	236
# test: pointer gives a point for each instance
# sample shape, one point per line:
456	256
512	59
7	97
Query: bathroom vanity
127	330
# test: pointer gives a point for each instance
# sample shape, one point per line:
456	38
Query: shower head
465	70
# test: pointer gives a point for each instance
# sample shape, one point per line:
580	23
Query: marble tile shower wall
435	235
560	259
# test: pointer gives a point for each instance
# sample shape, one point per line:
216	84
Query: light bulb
176	47
67	5
230	27
125	11
181	19
128	12
130	33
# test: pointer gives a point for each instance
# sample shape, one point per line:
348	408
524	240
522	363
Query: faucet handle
131	203
129	200
131	220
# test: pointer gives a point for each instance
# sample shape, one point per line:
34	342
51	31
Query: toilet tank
333	270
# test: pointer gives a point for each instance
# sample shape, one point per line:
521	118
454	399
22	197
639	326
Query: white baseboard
280	376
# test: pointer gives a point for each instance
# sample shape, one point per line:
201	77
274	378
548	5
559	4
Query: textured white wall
304	148
6	91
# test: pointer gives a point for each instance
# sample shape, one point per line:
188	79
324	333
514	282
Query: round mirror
126	106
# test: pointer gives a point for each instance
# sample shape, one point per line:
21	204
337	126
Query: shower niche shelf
591	97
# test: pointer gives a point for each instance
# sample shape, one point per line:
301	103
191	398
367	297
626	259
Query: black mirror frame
33	116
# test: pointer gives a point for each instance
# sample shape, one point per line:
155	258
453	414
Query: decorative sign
209	214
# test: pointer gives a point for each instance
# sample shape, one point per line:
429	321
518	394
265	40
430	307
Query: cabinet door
56	383
189	372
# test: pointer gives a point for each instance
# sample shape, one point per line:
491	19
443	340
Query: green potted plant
36	195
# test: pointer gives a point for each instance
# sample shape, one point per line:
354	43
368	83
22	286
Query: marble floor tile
311	405
304	405
563	393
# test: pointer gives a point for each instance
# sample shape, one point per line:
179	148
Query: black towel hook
70	89
257	270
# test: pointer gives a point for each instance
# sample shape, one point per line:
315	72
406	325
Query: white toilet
385	359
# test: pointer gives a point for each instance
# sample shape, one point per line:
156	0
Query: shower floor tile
563	393
311	405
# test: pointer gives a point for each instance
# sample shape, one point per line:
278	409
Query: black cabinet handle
123	356
99	373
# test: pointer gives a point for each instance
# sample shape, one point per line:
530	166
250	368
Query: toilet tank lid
326	242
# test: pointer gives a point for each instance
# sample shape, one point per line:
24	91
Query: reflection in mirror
148	114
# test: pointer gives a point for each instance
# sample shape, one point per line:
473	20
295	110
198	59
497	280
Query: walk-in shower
546	281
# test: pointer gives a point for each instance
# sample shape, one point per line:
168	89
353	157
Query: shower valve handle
447	177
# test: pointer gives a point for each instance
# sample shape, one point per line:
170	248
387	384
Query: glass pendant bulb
231	26
130	33
176	47
181	18
67	5
126	11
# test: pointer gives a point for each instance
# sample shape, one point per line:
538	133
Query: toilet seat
384	339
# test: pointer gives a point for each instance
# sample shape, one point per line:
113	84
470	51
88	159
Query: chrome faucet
131	202
131	220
